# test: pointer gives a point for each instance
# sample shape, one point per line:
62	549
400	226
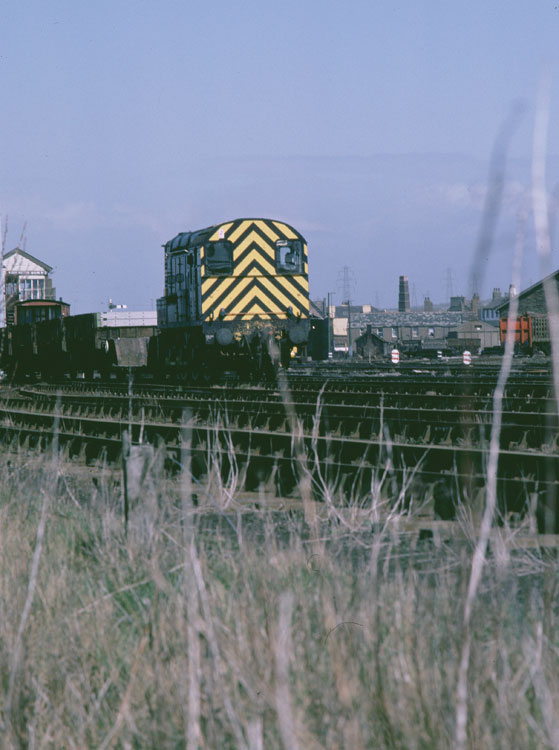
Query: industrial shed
475	334
532	299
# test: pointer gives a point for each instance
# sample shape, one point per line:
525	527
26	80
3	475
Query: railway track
352	435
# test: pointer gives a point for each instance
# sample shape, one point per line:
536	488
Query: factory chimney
475	303
404	295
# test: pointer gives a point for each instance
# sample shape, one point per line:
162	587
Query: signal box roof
11	262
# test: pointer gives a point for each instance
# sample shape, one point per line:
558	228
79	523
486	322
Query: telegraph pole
346	299
2	275
330	353
349	349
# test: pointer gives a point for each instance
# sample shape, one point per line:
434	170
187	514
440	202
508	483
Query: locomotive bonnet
236	294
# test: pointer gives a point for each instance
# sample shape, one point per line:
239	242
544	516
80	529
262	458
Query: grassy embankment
263	630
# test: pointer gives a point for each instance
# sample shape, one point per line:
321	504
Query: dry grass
227	629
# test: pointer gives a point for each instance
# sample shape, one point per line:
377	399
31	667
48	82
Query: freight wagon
45	341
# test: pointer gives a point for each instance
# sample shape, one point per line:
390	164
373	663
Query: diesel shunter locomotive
236	297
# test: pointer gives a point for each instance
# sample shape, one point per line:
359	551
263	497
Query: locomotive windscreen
219	258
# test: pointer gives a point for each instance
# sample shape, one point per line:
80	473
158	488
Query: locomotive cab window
289	256
219	258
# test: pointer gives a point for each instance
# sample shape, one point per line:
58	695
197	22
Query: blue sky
367	125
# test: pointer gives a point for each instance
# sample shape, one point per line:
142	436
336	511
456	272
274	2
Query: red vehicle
523	330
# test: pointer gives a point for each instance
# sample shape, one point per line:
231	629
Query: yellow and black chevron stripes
274	297
235	229
253	238
254	255
285	230
255	289
221	232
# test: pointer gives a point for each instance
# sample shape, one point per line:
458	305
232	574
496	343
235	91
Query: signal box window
289	256
219	258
